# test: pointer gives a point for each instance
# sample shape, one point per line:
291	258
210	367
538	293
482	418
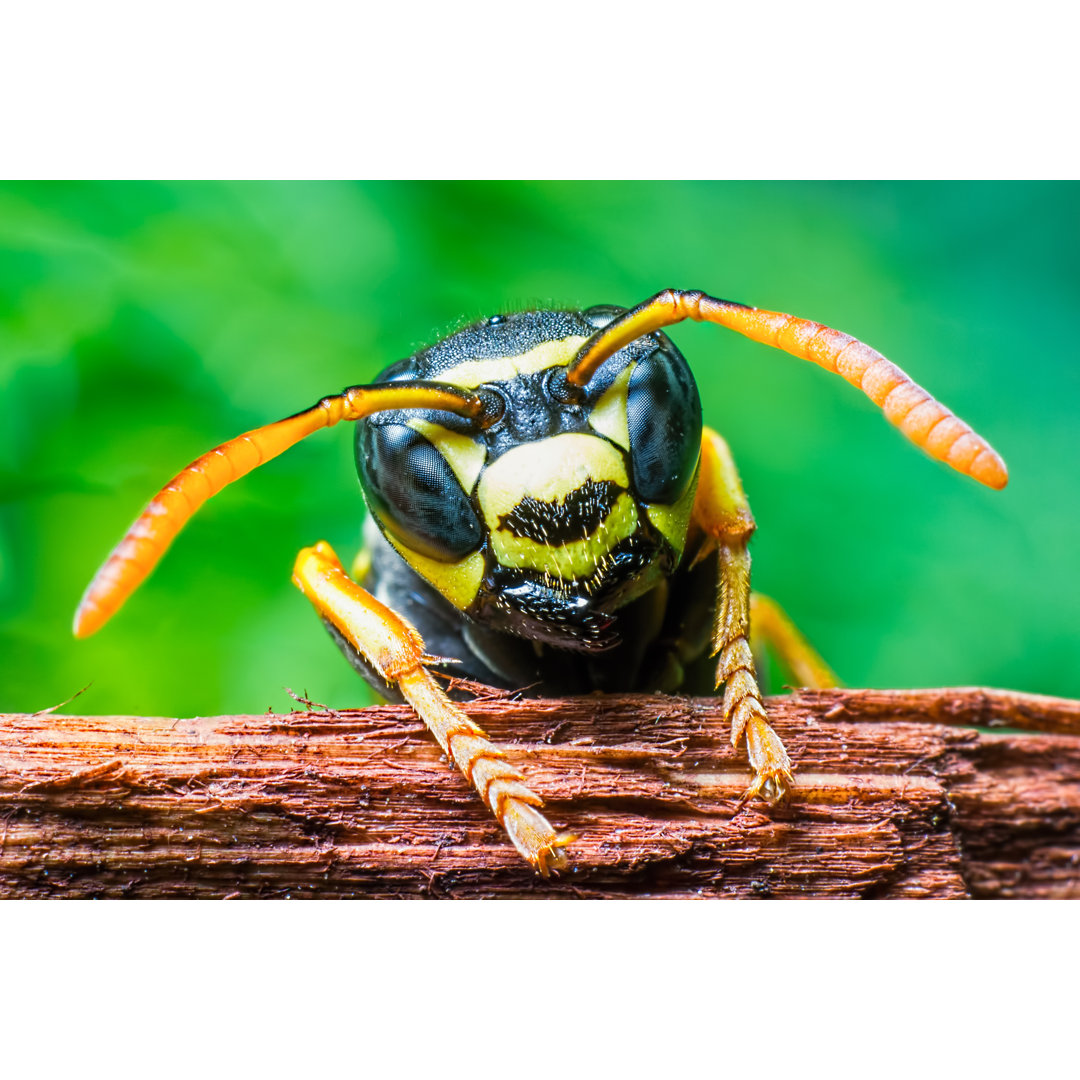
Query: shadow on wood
893	798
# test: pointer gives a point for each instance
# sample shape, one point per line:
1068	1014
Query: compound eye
413	491
663	417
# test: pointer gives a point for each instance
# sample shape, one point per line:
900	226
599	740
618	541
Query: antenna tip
79	626
89	618
989	469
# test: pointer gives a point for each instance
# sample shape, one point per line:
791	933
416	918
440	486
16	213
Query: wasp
548	513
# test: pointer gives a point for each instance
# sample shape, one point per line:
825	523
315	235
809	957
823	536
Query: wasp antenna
925	421
167	513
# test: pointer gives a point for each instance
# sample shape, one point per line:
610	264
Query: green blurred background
142	324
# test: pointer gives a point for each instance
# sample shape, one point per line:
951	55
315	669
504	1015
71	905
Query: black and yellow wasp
549	514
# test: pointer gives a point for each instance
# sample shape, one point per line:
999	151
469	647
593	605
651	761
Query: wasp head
561	507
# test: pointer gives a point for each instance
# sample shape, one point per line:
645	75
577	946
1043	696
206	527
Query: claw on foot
773	780
531	833
552	859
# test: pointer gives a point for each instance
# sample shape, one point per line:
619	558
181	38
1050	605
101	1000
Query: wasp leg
770	625
722	514
394	648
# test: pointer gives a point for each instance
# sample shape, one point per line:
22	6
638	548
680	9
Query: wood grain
895	797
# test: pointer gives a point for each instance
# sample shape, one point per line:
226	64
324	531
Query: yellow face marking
464	454
361	566
576	559
459	581
609	416
674	520
472	373
550	470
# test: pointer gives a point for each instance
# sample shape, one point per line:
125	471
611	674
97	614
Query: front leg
722	514
395	650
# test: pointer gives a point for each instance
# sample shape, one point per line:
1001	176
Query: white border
565	89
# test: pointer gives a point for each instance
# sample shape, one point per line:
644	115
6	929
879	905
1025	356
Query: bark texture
897	795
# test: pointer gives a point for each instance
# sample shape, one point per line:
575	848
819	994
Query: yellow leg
394	648
770	624
723	515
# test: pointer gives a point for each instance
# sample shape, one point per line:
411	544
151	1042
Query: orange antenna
167	513
926	422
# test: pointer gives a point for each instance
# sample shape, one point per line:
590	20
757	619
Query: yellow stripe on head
464	454
551	471
609	415
548	354
458	581
571	560
673	521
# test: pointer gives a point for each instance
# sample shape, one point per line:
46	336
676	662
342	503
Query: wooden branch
893	798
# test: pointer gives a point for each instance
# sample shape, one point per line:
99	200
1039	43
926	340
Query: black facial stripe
576	517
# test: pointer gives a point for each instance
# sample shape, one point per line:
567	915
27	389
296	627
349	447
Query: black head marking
576	517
